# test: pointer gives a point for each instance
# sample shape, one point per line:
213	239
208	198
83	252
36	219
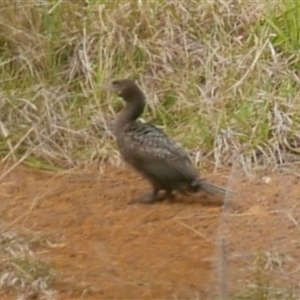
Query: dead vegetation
221	77
20	269
217	73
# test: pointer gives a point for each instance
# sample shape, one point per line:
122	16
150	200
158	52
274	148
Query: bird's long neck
135	104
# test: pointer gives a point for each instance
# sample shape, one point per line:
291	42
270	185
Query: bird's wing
156	152
152	142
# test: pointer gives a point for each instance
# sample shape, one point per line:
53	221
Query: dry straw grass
221	77
21	271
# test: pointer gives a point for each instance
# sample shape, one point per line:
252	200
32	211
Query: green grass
21	270
222	72
263	284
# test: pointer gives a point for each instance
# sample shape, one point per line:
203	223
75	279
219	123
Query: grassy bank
221	77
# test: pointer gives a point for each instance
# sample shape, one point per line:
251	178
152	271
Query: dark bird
149	150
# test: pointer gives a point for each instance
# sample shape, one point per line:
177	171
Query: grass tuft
21	271
263	282
220	77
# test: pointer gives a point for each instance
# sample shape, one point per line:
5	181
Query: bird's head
125	88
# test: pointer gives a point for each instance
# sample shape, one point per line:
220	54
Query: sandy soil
191	248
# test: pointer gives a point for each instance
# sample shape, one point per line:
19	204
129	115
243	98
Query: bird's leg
168	194
151	197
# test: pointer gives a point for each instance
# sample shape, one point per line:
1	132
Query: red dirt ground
107	249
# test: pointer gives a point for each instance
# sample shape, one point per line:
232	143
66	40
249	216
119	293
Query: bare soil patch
102	248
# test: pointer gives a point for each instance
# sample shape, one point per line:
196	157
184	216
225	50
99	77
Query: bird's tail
202	185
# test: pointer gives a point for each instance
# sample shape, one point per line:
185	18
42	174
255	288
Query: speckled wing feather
152	142
152	152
